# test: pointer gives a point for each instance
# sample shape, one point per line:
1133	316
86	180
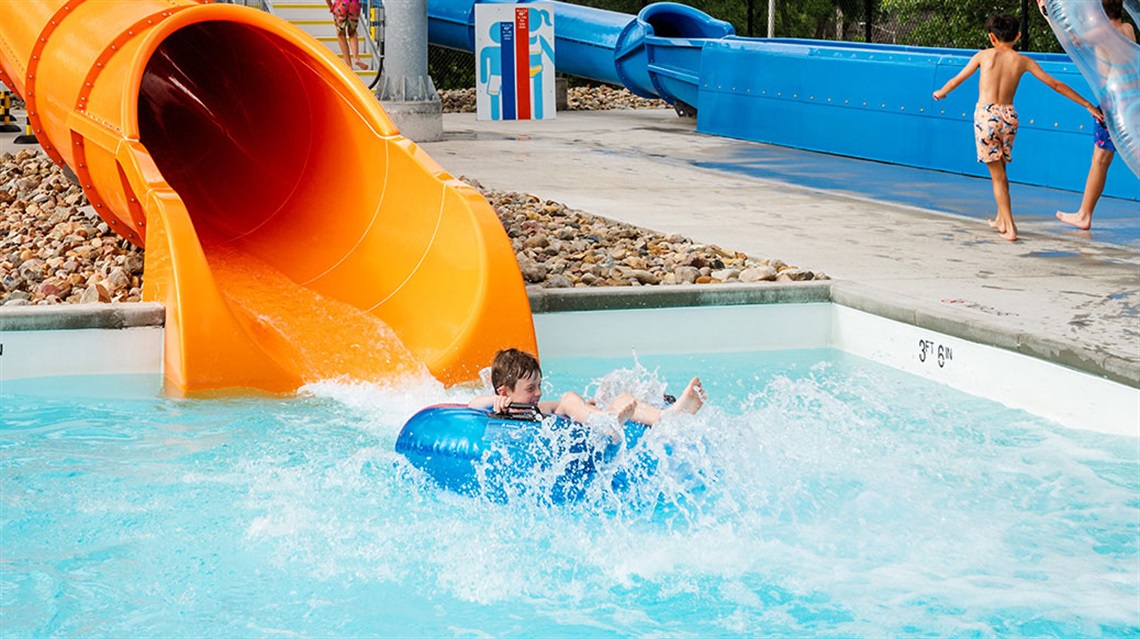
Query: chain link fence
924	23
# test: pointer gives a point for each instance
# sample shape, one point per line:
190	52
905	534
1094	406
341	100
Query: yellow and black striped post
7	122
29	137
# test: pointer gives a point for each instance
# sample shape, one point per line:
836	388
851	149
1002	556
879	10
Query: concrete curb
960	323
956	322
63	317
612	298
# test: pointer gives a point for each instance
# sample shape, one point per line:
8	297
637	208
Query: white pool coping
1073	398
1076	389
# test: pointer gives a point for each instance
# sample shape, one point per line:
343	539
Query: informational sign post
514	51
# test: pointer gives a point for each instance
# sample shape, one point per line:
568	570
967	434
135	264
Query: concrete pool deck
1059	294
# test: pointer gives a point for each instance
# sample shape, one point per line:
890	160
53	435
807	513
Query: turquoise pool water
818	494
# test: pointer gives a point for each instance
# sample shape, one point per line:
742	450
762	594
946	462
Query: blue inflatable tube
472	452
1109	62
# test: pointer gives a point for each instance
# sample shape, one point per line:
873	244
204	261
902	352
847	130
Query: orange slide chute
291	232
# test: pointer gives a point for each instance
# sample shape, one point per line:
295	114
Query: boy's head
1003	27
516	374
1114	8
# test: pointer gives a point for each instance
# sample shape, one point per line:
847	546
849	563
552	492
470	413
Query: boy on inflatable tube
517	379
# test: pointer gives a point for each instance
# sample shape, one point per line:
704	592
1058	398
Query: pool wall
1075	388
81	339
1070	386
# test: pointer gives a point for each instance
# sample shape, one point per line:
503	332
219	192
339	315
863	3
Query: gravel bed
54	249
585	98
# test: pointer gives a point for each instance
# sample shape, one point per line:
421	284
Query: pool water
817	494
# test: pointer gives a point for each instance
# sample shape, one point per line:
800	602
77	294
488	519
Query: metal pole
867	4
406	91
1025	25
771	18
751	7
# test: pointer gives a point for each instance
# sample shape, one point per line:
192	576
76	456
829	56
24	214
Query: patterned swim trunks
346	15
995	127
1103	139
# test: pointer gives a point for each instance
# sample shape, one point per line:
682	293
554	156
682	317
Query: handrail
373	45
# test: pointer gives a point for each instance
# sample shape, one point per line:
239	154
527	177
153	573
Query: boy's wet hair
1004	27
1114	8
511	365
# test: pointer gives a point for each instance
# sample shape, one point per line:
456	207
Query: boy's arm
493	403
500	404
1061	87
953	83
1128	31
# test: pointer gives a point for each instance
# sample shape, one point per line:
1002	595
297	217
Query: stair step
315	19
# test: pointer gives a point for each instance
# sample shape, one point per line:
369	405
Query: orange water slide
292	234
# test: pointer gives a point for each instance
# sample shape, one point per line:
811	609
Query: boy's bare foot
692	398
1078	219
1007	232
360	64
625	411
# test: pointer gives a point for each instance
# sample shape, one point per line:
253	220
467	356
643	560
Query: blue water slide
655	54
870	101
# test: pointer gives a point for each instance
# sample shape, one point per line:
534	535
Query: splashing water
816	493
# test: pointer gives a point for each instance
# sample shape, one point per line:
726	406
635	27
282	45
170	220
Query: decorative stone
794	275
686	274
558	281
761	273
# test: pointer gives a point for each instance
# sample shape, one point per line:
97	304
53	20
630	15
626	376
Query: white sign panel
514	51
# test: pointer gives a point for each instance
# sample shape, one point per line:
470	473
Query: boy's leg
342	41
354	45
1094	187
1004	222
690	401
573	406
642	413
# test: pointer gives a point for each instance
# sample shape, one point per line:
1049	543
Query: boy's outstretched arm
1062	88
953	83
493	403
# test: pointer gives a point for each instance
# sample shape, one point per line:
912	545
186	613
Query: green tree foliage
929	23
794	18
958	23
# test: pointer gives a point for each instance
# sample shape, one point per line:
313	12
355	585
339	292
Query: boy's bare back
1001	70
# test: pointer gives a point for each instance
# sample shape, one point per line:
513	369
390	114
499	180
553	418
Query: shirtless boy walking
995	119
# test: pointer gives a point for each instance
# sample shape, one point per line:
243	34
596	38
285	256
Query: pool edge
954	322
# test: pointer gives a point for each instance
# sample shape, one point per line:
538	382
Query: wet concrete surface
914	237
